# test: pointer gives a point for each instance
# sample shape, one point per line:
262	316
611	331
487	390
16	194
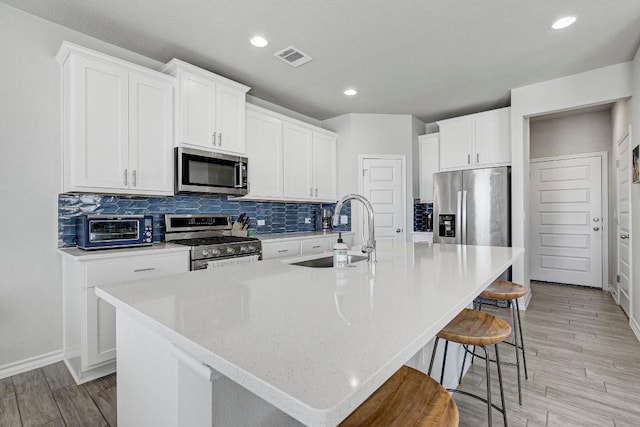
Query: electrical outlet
344	219
307	220
260	222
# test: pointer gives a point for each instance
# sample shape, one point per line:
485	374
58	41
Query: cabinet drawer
313	246
280	249
124	269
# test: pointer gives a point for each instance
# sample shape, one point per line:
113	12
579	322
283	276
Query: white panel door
230	119
623	226
264	150
324	167
566	221
382	186
298	182
150	135
99	131
198	110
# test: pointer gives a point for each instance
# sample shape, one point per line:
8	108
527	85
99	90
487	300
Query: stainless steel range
209	237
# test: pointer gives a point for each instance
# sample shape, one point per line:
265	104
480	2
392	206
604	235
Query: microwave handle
240	167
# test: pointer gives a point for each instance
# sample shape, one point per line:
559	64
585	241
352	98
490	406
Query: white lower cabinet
292	246
422	237
89	322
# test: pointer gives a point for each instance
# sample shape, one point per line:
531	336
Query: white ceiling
431	58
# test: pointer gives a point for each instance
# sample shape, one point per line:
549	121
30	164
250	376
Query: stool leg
504	409
464	361
524	356
515	340
444	362
433	355
488	369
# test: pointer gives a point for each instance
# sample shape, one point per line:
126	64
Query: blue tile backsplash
279	217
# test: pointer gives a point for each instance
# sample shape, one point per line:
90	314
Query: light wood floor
584	370
583	359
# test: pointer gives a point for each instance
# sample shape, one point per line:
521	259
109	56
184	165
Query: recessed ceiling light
563	22
350	92
258	41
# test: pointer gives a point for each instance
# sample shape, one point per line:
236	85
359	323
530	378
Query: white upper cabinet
475	141
298	161
429	164
210	110
289	159
264	150
117	127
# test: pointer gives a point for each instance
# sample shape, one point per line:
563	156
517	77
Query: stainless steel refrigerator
473	207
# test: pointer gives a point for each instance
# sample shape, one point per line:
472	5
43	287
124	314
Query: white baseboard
31	363
634	327
523	302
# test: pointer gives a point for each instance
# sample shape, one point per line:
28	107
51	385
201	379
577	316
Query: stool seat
474	327
408	398
503	290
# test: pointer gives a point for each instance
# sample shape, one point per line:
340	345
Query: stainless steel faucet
369	247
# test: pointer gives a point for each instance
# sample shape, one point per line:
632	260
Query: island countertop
314	342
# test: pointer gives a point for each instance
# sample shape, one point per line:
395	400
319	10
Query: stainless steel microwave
207	172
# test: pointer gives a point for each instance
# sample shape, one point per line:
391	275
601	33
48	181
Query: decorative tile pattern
279	217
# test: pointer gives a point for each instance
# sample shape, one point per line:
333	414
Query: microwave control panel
447	225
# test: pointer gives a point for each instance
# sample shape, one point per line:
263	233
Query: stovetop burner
216	240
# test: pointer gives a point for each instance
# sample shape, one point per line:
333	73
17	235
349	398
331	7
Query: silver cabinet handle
141	270
316	191
311	192
134	177
220	139
213	139
126	177
596	228
596	219
468	159
477	157
624	236
316	246
283	251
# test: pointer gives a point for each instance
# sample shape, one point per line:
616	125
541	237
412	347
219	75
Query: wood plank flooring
583	360
584	370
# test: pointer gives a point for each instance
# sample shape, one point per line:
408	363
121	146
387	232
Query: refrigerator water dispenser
447	225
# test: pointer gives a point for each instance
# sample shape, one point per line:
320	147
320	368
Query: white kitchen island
273	344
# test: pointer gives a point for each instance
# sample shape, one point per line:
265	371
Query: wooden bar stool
508	291
408	398
476	328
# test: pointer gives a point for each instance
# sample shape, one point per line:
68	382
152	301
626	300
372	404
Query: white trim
30	363
635	327
604	185
403	191
631	274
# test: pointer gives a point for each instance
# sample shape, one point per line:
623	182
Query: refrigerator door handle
463	225
459	239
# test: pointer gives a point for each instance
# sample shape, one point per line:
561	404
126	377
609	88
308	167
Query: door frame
604	172
632	322
403	181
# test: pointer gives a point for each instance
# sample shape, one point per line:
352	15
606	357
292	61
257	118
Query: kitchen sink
327	261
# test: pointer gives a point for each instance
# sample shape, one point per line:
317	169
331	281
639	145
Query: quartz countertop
314	342
82	255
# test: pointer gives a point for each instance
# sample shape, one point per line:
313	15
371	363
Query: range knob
244	249
215	252
231	251
205	252
251	248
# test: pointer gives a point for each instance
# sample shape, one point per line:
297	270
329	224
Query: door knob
398	230
596	219
624	236
596	228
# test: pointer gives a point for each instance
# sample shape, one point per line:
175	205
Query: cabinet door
150	134
493	138
230	119
324	166
101	330
297	146
264	150
197	110
429	165
456	144
97	146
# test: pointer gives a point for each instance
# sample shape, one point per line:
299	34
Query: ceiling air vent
293	56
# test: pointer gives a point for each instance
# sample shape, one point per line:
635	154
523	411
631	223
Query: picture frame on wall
635	162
